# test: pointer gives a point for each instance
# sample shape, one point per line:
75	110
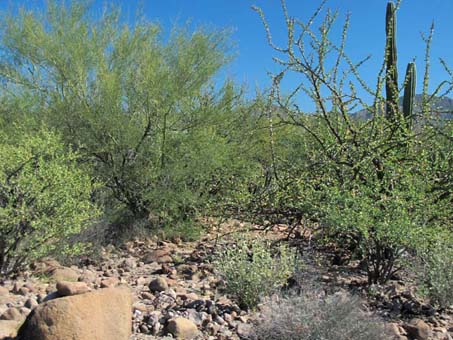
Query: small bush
436	274
45	198
310	317
187	231
252	269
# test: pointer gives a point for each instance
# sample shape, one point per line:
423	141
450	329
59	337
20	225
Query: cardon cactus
391	84
409	94
391	80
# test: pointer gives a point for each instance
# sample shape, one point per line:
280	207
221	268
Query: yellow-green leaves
45	197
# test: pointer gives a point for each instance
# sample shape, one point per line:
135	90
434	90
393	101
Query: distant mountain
441	105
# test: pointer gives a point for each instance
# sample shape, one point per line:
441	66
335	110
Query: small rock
418	329
243	330
30	287
87	276
147	296
195	317
172	294
3	291
159	256
189	296
65	288
110	282
12	314
182	328
64	274
31	303
158	285
23	291
141	281
212	328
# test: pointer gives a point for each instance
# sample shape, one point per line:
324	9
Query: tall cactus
391	83
409	94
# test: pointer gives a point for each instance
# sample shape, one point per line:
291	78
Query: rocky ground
176	290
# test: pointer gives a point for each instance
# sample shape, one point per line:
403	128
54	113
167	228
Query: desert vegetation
112	133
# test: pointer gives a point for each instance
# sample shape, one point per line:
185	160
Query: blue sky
253	55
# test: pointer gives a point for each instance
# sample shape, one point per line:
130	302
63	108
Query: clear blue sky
254	57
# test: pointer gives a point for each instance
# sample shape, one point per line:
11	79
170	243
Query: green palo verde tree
370	180
45	198
141	108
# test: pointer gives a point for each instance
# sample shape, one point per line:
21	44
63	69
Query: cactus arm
391	86
409	94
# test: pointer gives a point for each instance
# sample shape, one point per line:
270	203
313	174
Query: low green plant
45	198
435	274
253	269
187	231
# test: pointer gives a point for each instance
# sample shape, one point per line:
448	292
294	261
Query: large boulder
99	315
8	328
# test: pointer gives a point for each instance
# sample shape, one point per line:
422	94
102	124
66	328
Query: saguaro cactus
391	84
409	94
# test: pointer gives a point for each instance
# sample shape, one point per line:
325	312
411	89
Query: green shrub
143	109
382	181
252	269
436	273
381	225
308	317
44	199
187	231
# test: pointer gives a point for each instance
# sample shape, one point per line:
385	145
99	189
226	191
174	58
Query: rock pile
175	293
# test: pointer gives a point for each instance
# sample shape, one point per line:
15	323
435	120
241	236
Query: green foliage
435	272
362	180
188	231
252	269
45	197
144	110
384	225
310	316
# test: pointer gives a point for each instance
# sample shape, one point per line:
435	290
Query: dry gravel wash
177	294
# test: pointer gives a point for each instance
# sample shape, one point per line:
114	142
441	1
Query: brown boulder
64	274
182	328
12	313
110	282
162	255
99	315
418	329
8	328
67	288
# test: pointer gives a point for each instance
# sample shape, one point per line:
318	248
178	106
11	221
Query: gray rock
158	285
